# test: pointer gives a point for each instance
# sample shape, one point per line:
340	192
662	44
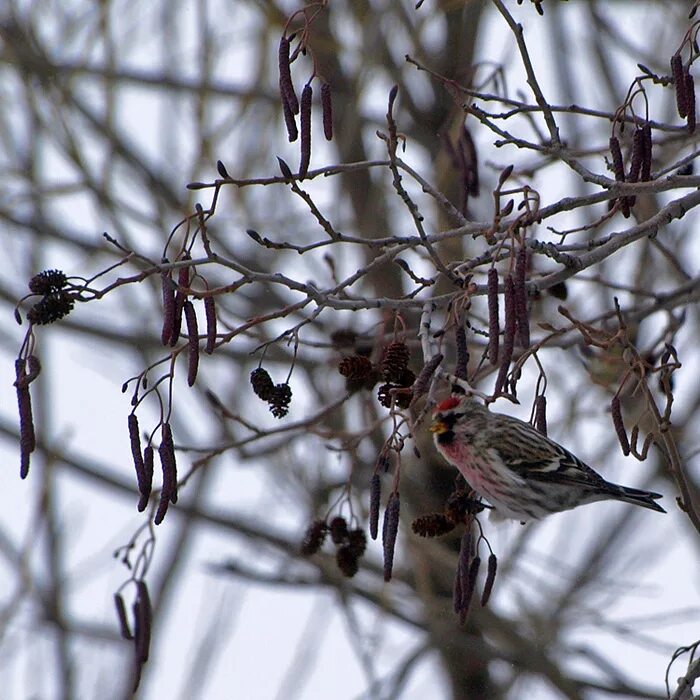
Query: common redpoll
520	472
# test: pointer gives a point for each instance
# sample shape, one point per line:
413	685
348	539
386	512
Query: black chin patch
446	438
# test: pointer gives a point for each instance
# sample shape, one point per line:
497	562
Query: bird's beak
438	427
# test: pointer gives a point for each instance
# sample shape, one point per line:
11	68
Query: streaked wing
525	449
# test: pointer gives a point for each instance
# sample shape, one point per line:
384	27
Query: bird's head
456	414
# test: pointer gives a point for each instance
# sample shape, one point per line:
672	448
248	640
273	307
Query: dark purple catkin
305	126
690	94
390	531
646	160
541	414
183	281
375	494
462	363
508	333
192	343
680	84
616	153
210	315
27	437
461	582
135	439
166	452
124	628
521	311
144	618
327	107
290	122
490	578
468	589
420	386
638	149
286	85
148	478
619	425
494	327
168	306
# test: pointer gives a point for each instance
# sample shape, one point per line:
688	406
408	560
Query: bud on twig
420	386
168	306
521	310
646	160
124	628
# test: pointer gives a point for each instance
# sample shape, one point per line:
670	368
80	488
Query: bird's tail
647	499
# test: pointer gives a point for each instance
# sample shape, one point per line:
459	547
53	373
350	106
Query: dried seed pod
646	160
690	93
135	439
679	81
420	386
432	525
327	107
210	315
314	537
51	308
168	306
262	384
616	411
48	282
521	311
638	148
148	479
395	361
375	494
508	333
355	367
280	399
541	414
357	541
290	122
390	530
339	529
305	127
494	327
347	561
490	578
286	85
462	363
192	343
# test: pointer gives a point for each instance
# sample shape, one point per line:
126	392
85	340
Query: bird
523	474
